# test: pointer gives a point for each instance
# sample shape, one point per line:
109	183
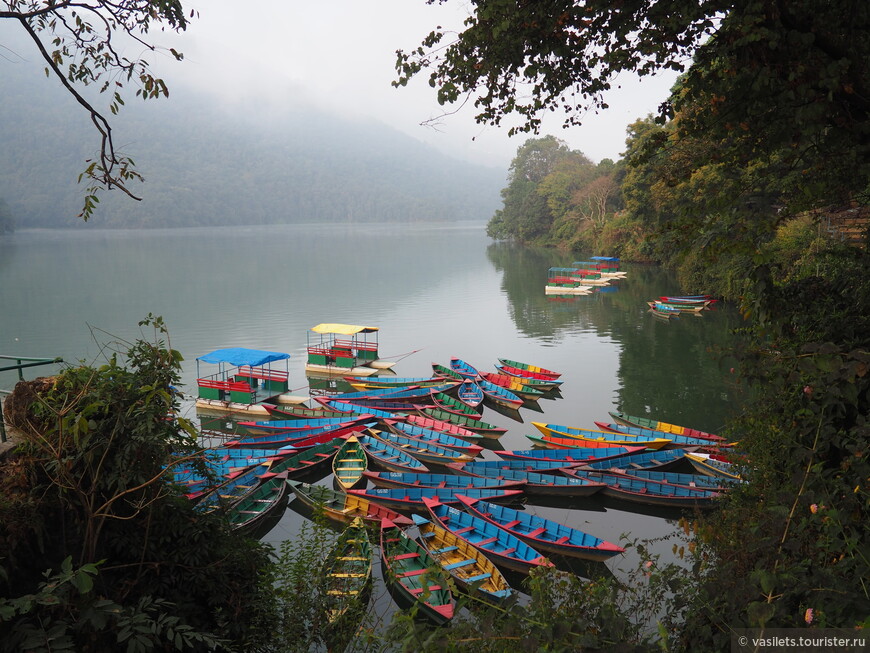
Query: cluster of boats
408	478
584	276
671	306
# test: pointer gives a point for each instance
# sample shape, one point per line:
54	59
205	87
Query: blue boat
497	544
288	425
499	395
544	534
293	438
409	499
446	481
686	480
388	457
659	459
354	409
570	456
432	436
426	452
470	393
463	369
650	492
536	483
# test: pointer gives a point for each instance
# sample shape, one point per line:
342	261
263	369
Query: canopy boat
431	436
543	534
344	349
349	464
485	429
342	507
644	459
415	574
576	275
534	370
649	441
474	573
650	492
604	265
469	393
346	582
497	544
243	379
410	499
577	455
463	369
714	465
450	404
450	428
253	508
522	388
426	452
501	396
388	457
553	287
656	425
535	483
443	481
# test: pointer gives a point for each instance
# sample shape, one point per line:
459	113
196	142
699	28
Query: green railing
21	362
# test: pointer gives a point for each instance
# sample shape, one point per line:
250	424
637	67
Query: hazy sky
341	55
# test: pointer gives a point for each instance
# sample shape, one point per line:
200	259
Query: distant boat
415	574
343	349
473	572
543	534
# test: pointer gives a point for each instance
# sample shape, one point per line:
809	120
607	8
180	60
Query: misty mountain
207	165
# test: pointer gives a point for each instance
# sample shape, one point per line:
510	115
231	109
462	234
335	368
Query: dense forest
204	165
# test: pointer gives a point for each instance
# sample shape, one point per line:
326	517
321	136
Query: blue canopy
242	356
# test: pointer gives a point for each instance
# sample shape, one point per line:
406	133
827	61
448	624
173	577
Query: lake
435	291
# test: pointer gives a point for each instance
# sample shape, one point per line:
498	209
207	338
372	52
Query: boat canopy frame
240	372
358	347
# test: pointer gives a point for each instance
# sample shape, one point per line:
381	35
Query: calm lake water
435	290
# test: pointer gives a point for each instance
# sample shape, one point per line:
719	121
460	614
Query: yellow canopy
343	329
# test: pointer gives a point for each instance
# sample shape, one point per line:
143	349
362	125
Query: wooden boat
526	374
554	287
431	436
302	424
388	457
253	508
295	438
343	349
536	483
644	459
349	464
346	581
523	389
650	492
533	369
551	467
574	455
683	308
463	369
665	311
450	428
656	425
589	435
425	452
577	440
415	574
394	382
299	412
376	407
450	404
474	573
497	544
679	478
543	534
499	395
410	499
445	372
469	393
485	429
342	507
714	465
688	299
355	409
420	394
305	462
444	481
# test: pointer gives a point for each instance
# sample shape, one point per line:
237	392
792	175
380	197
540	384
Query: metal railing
21	362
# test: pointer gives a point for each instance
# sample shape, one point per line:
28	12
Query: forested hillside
206	165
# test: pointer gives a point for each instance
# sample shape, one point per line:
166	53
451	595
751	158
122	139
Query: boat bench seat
562	540
420	590
489	540
461	563
511	524
474	579
460	531
537	532
406	556
444	549
413	572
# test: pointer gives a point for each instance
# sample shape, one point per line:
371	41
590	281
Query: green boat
346	583
487	430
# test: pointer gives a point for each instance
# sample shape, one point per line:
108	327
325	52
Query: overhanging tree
82	43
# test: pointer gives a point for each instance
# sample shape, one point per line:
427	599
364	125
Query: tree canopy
82	44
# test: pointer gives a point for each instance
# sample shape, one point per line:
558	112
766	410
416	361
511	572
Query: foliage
81	44
90	489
